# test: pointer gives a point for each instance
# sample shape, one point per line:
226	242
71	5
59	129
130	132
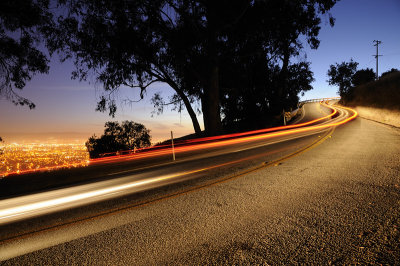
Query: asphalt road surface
328	197
132	173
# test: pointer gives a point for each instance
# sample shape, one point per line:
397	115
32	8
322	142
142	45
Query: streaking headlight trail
24	207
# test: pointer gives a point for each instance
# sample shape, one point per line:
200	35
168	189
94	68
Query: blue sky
358	23
66	108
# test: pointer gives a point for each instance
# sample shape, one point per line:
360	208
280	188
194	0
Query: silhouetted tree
393	70
294	19
263	35
134	135
259	80
127	43
23	23
251	107
186	44
342	75
363	76
299	81
119	137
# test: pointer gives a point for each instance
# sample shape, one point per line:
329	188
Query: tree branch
168	17
141	86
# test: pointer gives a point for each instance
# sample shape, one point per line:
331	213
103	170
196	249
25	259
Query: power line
376	56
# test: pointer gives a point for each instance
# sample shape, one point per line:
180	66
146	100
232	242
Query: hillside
384	93
379	100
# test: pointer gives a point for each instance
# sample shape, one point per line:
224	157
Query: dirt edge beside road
385	116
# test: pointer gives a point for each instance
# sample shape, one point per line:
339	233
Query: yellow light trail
243	139
56	203
197	144
17	208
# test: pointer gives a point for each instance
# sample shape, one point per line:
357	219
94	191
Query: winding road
323	190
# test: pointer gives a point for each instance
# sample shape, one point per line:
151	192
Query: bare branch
141	86
168	17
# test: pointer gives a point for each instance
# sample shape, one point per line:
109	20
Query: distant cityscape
24	158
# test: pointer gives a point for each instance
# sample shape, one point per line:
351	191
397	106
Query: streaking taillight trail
24	207
231	139
200	143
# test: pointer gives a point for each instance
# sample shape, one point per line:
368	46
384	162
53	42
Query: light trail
195	144
164	149
334	111
18	208
62	199
243	139
56	204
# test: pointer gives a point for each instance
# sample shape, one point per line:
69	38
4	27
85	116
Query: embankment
379	100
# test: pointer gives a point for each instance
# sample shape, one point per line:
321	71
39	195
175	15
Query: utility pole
376	56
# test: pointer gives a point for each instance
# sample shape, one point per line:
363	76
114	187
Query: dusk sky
65	108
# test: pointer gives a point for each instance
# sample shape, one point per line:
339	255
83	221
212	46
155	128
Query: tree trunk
210	99
279	98
284	73
189	108
211	107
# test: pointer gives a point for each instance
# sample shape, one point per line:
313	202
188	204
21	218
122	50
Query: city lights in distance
25	158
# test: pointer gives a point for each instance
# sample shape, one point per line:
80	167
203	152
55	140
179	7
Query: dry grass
384	93
379	100
391	117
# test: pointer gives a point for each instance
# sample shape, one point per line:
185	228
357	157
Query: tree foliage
363	76
253	107
393	70
342	75
193	46
347	77
23	23
119	137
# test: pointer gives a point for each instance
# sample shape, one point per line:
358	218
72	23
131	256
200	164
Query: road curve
336	201
132	181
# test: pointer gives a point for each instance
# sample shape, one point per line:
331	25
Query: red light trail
211	142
